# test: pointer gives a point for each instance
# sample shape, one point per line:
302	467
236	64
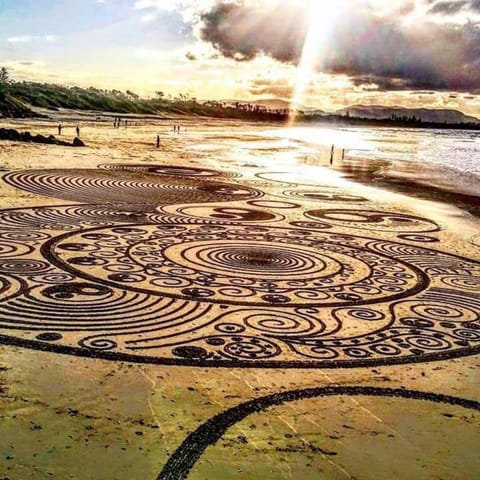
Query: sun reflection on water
325	136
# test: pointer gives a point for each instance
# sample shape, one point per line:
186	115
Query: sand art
216	286
192	273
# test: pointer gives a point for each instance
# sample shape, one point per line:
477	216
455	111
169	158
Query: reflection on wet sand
432	165
406	178
402	179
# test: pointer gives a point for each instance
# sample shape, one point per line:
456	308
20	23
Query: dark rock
13	134
9	134
26	137
77	142
16	136
40	139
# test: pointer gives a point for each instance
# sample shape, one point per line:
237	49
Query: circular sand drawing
221	213
324	196
374	221
240	265
175	171
89	280
126	187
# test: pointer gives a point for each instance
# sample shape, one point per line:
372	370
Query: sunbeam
322	17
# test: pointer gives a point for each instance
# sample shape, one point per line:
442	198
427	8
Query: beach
237	303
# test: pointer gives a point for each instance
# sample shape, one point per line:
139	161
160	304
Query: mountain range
433	115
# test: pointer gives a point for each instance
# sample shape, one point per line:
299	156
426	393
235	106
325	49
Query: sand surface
229	306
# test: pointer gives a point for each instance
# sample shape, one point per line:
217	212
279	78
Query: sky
324	54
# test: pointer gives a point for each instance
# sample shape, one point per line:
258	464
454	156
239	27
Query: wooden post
332	153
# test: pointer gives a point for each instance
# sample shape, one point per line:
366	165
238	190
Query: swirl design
238	265
418	238
222	214
125	187
169	170
373	220
180	285
323	196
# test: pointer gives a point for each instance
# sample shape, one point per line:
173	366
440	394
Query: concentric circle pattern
178	269
125	187
175	171
245	266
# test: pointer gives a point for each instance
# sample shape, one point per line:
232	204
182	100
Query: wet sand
250	313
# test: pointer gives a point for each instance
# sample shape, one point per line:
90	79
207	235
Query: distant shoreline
27	99
328	120
341	120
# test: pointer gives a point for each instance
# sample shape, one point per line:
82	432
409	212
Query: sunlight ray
322	17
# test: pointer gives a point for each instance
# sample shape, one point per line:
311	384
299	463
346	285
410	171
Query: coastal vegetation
23	98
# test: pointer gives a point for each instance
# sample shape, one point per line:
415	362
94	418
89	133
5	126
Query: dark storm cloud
448	8
368	48
430	56
454	6
242	31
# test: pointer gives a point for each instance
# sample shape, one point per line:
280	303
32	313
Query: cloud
189	10
452	7
387	49
242	31
32	38
20	39
282	88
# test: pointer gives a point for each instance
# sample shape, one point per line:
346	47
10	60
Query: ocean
438	165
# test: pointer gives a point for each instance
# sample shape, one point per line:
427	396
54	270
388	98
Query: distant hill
379	112
20	99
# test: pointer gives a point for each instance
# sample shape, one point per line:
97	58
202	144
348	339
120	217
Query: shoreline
394	177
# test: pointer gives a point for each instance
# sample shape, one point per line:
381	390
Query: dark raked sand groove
190	451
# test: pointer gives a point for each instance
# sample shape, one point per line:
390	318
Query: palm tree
4	75
4	80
